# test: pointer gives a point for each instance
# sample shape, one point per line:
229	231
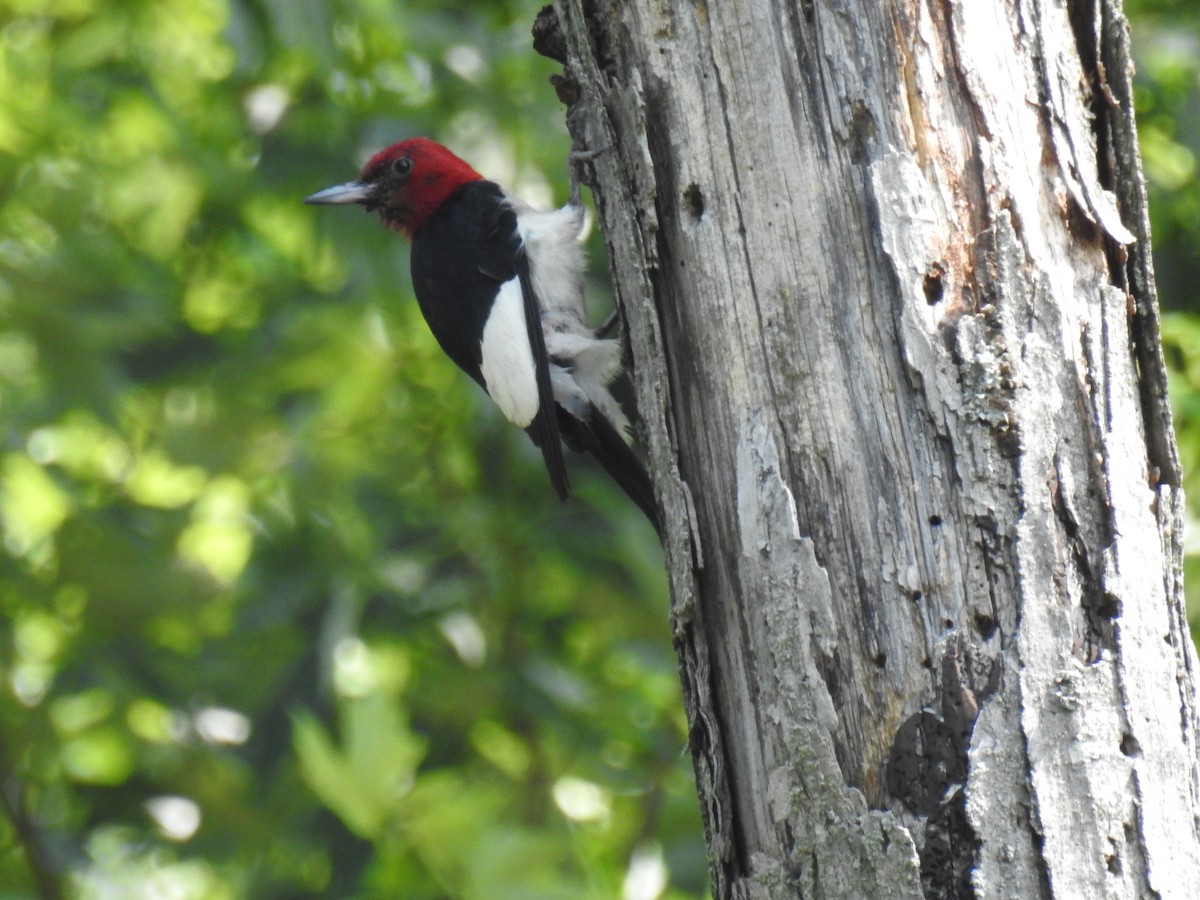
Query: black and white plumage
501	287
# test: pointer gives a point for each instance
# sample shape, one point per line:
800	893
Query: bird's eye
401	166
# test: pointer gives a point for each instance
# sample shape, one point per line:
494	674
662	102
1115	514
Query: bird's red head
404	183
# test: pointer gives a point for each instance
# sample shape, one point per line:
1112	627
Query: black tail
598	437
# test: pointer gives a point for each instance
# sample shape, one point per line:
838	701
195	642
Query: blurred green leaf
365	781
268	557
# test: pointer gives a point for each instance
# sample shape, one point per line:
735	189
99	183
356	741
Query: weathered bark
885	272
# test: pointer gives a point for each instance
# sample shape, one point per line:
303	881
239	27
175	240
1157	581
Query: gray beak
350	192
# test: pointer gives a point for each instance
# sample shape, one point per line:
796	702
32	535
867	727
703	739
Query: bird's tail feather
600	438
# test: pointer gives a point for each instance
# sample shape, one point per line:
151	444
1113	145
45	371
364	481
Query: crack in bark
705	742
1098	606
973	185
1116	59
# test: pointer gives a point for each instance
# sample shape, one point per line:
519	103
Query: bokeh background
287	610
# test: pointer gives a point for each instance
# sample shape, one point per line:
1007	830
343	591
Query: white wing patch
507	367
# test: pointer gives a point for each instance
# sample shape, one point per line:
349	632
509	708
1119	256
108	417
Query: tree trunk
885	272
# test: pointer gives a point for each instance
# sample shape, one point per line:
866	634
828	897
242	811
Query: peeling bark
885	275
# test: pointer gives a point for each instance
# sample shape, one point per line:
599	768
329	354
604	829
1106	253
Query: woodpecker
500	285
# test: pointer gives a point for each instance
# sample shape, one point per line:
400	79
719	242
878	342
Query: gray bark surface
884	269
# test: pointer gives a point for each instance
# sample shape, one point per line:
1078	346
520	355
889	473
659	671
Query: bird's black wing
462	254
544	428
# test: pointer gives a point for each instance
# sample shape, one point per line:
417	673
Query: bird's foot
609	325
575	161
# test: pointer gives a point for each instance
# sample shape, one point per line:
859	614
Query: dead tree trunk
885	272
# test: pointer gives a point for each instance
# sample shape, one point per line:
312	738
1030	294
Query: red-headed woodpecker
501	286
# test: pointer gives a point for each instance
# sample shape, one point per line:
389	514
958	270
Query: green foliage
288	610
